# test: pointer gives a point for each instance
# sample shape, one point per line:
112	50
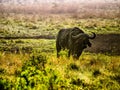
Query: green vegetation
91	71
40	69
31	64
27	45
22	26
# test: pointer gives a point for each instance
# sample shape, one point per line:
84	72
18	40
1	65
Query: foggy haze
85	8
30	2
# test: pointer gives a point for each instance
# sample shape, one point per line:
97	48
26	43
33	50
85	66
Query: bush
5	84
37	60
34	75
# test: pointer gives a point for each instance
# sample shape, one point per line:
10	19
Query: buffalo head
80	42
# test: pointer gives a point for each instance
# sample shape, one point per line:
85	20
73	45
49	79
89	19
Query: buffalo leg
58	50
69	52
78	55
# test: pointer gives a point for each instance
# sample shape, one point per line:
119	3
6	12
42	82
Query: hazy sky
57	1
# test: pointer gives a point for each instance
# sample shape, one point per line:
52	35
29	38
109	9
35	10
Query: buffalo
73	39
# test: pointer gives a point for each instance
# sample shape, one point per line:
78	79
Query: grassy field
31	64
30	25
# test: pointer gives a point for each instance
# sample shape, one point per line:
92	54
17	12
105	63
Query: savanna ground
28	54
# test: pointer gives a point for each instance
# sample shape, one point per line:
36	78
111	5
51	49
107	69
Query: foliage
35	75
50	25
5	84
91	71
31	64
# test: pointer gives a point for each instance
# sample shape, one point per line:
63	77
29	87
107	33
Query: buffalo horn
77	36
92	37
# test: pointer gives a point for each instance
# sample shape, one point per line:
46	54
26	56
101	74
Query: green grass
50	25
41	69
27	45
31	64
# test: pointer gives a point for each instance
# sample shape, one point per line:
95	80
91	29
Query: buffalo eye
89	44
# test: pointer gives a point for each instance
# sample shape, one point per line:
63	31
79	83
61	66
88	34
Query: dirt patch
106	43
31	37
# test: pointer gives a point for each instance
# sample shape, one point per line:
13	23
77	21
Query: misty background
25	2
83	8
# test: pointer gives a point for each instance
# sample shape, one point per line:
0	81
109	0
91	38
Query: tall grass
49	25
32	64
38	71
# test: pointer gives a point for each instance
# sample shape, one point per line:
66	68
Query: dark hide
73	39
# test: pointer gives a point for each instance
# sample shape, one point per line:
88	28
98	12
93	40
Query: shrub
34	75
37	61
5	84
